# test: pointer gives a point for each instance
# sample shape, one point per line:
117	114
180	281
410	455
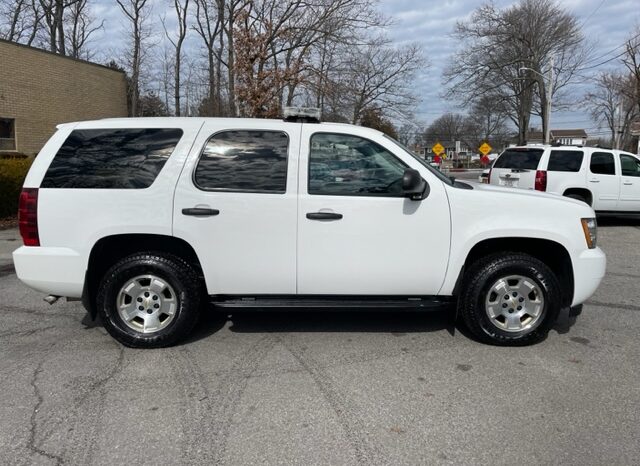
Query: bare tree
12	14
631	60
20	20
53	13
450	127
137	13
82	25
181	8
382	74
497	44
612	104
209	23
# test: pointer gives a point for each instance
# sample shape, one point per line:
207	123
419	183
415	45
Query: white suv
145	219
607	180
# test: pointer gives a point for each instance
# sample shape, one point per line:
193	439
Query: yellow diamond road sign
484	148
437	148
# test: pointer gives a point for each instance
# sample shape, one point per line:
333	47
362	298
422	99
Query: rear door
236	204
565	169
629	183
516	167
604	181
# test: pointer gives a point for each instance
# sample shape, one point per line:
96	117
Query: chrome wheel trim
514	303
147	303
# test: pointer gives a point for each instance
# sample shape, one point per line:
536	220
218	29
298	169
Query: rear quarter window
520	159
119	158
565	161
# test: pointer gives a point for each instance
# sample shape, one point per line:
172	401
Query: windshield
422	161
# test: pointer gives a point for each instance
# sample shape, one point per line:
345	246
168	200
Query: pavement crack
31	441
626	307
25	333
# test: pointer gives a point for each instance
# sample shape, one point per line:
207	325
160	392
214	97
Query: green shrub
12	174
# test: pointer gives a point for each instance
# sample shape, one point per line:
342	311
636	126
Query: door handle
594	181
200	212
628	183
323	216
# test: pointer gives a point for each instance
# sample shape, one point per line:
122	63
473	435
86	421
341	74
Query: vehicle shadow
630	221
366	321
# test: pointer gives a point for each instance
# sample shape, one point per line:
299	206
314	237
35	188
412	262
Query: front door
629	183
603	181
357	233
236	204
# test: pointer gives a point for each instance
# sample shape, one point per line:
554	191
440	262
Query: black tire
176	272
577	197
477	283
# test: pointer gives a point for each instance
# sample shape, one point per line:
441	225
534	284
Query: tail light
541	180
28	217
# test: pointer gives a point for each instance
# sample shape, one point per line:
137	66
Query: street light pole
549	92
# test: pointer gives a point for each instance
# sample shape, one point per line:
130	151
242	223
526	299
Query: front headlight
590	228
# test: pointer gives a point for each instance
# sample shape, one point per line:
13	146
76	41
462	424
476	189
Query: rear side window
245	161
630	165
565	160
111	158
602	163
520	159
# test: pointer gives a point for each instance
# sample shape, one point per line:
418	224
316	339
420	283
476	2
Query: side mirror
413	185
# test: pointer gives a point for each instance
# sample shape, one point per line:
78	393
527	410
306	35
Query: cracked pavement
324	388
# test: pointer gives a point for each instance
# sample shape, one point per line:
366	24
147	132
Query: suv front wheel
509	299
149	300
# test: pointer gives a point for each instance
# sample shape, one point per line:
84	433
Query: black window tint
602	163
521	159
630	165
565	161
111	158
345	165
248	161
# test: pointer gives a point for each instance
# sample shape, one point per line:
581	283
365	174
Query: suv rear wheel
509	299
149	300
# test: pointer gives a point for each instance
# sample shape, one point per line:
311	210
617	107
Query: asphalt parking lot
324	388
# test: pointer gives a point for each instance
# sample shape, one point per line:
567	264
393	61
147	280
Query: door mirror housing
413	185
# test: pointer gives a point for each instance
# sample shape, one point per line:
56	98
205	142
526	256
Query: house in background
40	89
568	137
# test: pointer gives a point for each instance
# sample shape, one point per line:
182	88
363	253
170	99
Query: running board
334	302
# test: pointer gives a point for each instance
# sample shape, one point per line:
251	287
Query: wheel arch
583	192
110	249
552	253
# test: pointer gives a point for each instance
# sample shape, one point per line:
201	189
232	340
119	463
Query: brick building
40	89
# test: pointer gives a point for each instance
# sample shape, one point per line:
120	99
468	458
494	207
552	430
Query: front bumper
588	271
56	271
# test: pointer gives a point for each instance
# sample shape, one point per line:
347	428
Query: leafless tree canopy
613	104
497	43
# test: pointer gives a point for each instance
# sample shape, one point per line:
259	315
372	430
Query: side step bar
334	302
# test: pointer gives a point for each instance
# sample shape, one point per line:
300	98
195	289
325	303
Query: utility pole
547	107
618	126
548	87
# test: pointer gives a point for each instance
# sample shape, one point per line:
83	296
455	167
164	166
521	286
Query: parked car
145	219
607	180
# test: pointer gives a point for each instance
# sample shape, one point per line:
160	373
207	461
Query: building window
7	134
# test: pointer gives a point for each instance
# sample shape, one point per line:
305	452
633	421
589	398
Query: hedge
12	174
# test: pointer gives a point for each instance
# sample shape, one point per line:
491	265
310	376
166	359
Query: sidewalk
9	241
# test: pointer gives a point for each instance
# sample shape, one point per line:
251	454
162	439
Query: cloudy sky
606	25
